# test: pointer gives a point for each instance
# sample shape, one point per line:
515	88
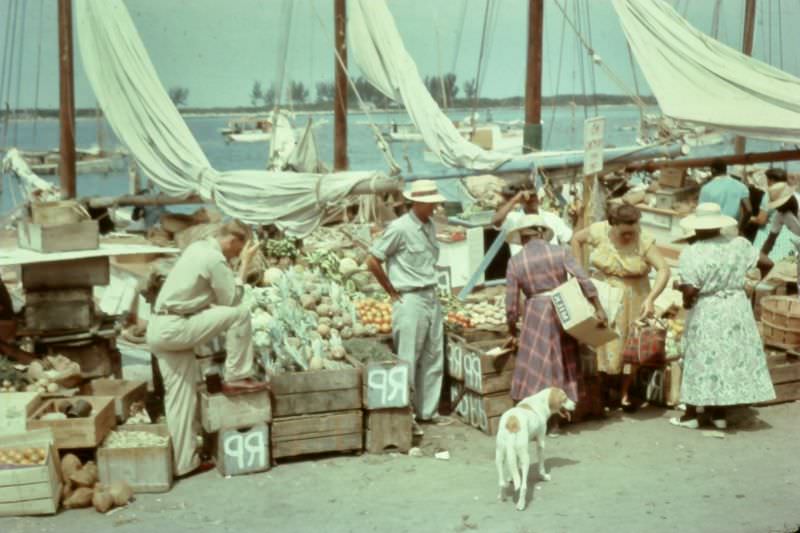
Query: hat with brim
527	225
779	194
707	216
424	191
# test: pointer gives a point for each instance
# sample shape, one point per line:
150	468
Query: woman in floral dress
724	362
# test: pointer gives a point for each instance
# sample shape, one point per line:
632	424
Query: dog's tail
512	462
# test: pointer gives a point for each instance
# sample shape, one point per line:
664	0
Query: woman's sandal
689	423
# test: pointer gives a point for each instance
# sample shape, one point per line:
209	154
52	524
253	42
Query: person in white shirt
526	202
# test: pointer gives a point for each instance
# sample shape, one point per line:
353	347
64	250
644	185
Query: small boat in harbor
251	129
90	161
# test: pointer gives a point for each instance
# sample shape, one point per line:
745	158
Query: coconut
272	275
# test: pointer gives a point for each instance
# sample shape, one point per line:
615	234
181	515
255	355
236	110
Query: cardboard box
576	314
34	489
672	177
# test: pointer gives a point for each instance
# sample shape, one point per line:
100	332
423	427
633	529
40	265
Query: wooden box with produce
124	391
311	434
218	411
138	454
484	411
79	422
30	479
485	366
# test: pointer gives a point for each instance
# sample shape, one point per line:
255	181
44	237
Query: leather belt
419	289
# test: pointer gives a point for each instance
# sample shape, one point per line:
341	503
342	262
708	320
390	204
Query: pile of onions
459	319
371	311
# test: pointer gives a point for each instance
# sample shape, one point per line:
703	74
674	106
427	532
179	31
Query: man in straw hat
546	356
784	201
724	361
409	250
201	299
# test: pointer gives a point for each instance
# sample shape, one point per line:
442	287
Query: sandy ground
628	473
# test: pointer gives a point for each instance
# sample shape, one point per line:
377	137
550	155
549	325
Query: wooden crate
590	399
388	430
386	385
30	490
78	432
323	391
672	177
145	469
318	433
784	370
15	408
485	410
125	393
59	310
76	236
97	358
57	212
218	411
458	394
76	273
481	373
243	451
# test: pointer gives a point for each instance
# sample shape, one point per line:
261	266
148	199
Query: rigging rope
581	63
478	81
383	146
591	64
19	66
38	72
558	81
283	50
459	34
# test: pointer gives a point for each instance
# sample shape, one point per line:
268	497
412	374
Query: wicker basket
780	321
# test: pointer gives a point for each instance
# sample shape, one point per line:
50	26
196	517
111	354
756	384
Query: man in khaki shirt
199	301
409	250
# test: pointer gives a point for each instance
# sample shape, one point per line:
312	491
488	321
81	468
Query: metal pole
532	135
66	167
340	161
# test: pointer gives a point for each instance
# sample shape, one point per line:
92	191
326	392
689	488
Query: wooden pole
532	136
66	167
340	161
738	159
747	49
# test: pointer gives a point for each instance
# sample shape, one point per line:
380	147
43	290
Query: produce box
484	366
576	314
58	310
319	433
76	236
30	489
243	451
144	468
85	432
125	393
784	370
15	408
672	177
218	411
388	430
386	385
322	391
485	410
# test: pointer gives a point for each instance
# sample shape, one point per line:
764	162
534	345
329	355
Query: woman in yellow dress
622	255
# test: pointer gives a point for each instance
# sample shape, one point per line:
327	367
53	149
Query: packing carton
576	313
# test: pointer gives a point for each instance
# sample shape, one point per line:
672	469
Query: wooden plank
490	383
785	373
336	443
83	235
785	392
145	469
323	380
125	393
218	411
316	402
75	273
388	429
309	434
455	358
78	432
63	309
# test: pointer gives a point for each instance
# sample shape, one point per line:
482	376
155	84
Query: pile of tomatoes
459	319
371	311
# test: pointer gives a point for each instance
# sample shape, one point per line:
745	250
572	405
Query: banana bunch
327	262
280	248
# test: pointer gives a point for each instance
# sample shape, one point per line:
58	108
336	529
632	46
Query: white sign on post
593	131
387	385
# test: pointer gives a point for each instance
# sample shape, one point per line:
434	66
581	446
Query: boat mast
340	96
66	167
532	136
747	49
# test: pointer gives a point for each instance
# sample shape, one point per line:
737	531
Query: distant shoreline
603	100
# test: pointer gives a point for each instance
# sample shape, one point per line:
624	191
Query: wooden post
340	98
747	49
532	136
66	167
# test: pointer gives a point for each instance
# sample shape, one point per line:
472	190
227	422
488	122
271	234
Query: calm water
564	131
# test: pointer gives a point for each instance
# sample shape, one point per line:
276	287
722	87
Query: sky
218	48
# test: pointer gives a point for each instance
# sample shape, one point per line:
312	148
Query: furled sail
144	118
697	79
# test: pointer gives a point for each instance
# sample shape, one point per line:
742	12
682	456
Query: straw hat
527	222
424	191
779	194
706	216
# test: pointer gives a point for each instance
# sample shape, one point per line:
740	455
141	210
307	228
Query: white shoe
692	423
720	423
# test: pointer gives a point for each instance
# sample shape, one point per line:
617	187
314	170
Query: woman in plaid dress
546	355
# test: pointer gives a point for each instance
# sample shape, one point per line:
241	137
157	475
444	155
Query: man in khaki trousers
200	299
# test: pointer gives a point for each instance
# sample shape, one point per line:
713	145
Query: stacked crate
481	385
387	407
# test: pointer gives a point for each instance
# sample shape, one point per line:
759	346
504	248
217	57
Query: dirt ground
628	473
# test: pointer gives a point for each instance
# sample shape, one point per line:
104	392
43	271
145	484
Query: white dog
520	425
